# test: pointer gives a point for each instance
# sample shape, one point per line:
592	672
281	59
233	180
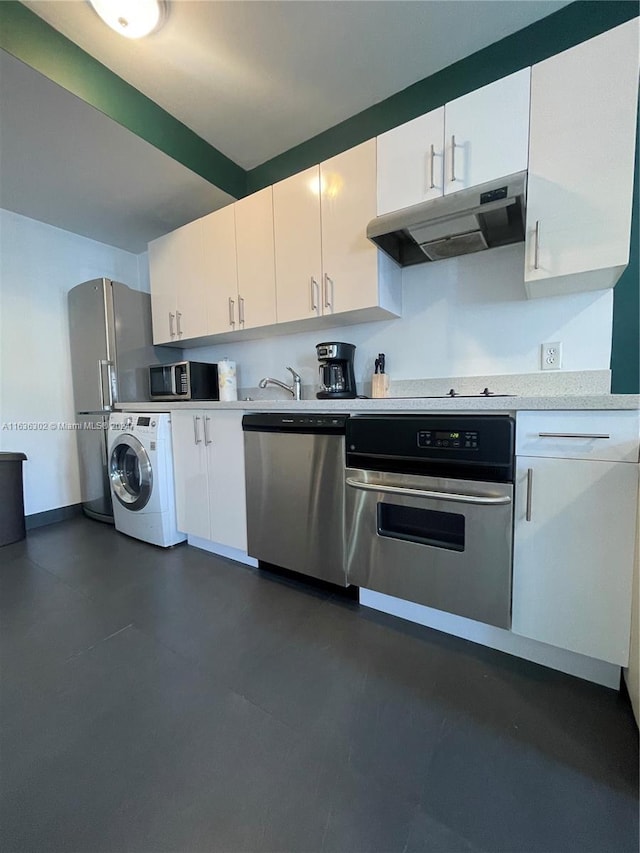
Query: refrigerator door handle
102	363
113	383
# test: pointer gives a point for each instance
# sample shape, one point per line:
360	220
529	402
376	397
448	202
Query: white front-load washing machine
141	474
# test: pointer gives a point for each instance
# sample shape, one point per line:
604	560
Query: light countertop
595	402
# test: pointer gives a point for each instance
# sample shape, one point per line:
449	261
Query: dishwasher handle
486	500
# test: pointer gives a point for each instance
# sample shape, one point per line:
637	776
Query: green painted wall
30	39
37	44
625	349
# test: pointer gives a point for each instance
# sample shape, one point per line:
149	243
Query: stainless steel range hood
471	220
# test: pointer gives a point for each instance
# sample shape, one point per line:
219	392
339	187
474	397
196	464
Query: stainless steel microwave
184	380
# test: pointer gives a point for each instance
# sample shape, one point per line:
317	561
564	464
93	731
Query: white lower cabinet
208	458
574	537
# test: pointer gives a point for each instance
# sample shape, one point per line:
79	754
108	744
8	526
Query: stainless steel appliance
473	219
184	380
337	379
111	350
429	510
294	469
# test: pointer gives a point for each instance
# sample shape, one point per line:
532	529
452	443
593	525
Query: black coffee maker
337	380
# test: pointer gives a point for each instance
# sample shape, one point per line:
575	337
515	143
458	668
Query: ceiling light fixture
132	18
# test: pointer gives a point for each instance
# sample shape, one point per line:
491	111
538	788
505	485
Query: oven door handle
486	500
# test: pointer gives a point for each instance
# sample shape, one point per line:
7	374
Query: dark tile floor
174	701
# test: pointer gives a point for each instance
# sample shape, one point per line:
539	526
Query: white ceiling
65	163
252	78
256	77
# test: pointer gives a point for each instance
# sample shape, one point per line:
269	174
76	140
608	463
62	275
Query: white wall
38	265
466	316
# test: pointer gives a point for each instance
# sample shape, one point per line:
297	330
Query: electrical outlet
551	355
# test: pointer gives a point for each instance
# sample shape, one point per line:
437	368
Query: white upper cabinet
472	140
178	277
164	298
348	201
487	133
581	162
325	266
411	162
256	260
221	278
298	247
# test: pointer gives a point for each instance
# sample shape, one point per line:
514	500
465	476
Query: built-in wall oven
429	510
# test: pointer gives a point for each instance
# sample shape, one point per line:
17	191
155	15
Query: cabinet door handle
328	286
315	294
529	492
172	332
241	310
178	316
232	315
207	438
572	435
196	429
536	247
453	158
432	155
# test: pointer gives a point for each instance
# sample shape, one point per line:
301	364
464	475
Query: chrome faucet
294	389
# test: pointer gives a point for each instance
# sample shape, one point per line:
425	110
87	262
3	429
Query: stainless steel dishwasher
294	470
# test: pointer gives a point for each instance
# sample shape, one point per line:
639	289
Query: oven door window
423	526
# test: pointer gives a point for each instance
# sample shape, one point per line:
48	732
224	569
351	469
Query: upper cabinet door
411	162
256	260
164	297
583	126
221	269
191	317
298	248
487	133
348	202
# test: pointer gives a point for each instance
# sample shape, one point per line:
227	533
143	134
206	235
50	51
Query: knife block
380	385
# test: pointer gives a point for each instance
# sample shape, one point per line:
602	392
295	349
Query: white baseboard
600	672
222	551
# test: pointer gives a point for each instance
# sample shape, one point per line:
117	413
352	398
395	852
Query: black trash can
12	501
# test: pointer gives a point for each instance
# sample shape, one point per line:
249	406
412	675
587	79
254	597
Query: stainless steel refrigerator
111	349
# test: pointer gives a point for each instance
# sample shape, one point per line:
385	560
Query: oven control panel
448	439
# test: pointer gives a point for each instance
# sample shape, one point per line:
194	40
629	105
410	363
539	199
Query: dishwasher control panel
291	422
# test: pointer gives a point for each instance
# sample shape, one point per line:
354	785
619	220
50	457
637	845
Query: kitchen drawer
602	435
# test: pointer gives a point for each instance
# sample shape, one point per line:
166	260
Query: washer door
130	473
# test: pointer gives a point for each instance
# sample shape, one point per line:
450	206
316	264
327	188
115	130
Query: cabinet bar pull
315	290
432	155
232	318
328	303
453	158
172	317
241	310
207	438
536	247
178	316
196	431
571	435
529	491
